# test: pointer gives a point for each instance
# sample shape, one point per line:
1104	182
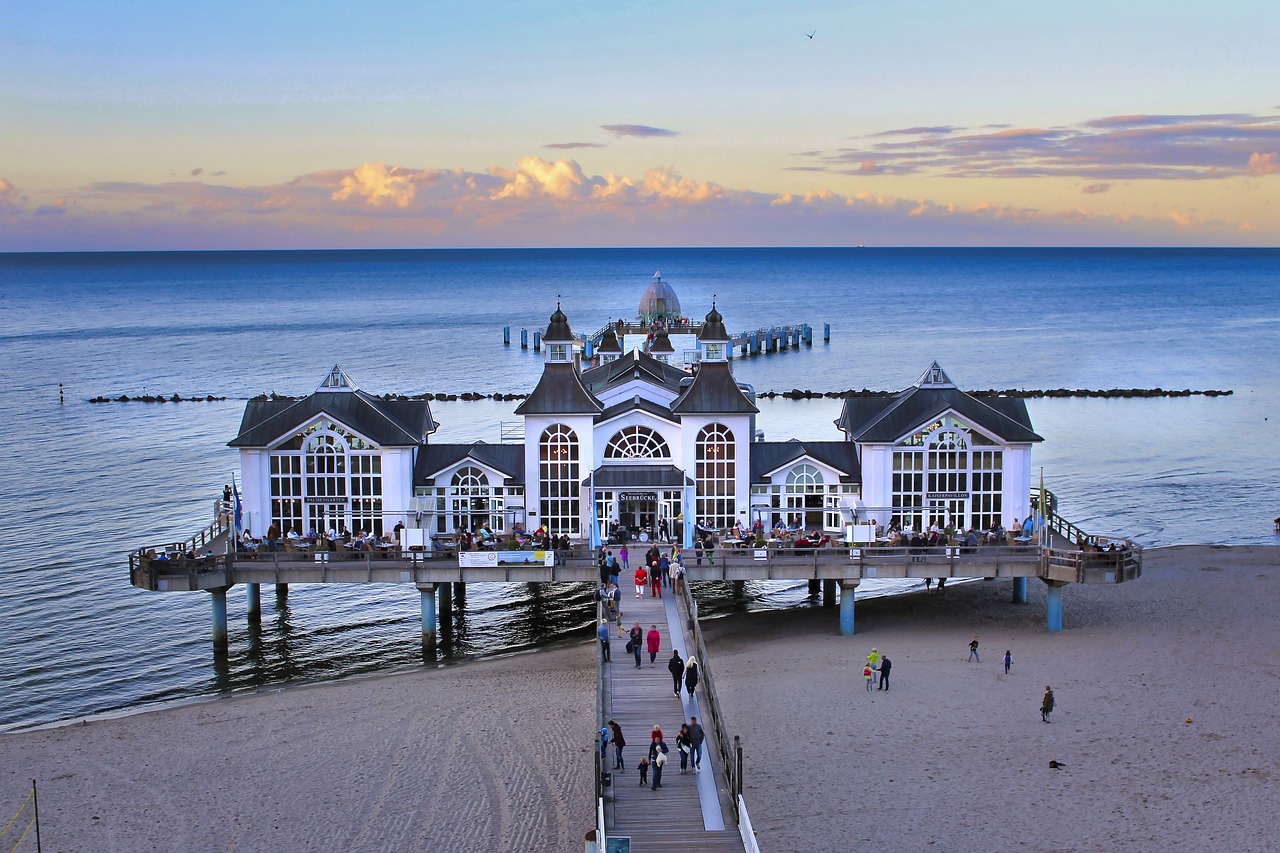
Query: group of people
689	741
659	569
877	664
620	534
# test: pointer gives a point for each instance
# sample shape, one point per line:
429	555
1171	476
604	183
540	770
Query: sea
85	483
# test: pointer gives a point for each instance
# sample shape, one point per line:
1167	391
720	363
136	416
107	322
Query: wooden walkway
689	811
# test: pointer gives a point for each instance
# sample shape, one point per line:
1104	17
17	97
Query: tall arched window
806	494
559	479
469	498
326	477
716	478
637	442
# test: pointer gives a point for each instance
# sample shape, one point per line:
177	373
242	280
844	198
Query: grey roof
639	477
713	391
634	364
881	420
434	458
387	423
609	342
656	409
713	328
560	392
769	456
558	329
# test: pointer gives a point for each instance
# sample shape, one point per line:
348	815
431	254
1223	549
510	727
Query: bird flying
812	34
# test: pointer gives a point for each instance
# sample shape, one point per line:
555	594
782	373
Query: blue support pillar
428	594
1019	590
846	607
537	341
689	521
219	618
506	336
524	339
826	333
1055	608
254	594
589	348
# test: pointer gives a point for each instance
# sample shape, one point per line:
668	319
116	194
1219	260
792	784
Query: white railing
744	828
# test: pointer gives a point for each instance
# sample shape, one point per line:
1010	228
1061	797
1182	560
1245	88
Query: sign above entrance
638	496
314	499
946	496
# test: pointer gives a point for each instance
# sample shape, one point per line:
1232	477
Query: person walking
885	666
696	738
618	742
1008	660
636	641
603	633
691	675
653	642
973	651
642	577
682	746
655	580
676	667
658	758
625	556
1046	704
679	575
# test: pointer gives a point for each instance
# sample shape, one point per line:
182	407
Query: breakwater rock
1027	393
156	398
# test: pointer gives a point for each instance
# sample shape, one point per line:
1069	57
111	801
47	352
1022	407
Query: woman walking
655	580
624	555
653	641
636	641
691	675
618	742
682	744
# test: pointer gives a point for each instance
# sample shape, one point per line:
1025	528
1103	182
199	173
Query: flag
594	539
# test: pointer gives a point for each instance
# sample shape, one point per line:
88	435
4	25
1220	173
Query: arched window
559	479
803	479
325	477
716	479
637	442
469	499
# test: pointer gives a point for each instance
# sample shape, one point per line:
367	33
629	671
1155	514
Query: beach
490	755
1165	726
1166	730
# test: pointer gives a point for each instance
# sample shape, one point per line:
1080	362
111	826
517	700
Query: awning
639	477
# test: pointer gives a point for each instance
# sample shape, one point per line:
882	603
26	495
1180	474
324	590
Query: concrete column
254	594
1055	607
427	591
282	594
219	618
446	601
829	593
847	589
1019	590
814	585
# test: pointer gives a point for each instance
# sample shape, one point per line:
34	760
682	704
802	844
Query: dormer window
715	352
559	352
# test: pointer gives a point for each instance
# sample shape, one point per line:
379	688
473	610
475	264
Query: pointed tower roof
934	377
337	380
560	392
713	329
609	342
713	391
558	329
661	343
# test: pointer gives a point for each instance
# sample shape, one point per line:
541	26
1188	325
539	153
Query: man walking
973	651
1046	704
696	737
603	633
885	666
676	667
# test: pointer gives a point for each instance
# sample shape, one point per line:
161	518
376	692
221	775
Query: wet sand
1167	722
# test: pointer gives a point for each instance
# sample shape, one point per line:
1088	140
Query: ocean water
86	483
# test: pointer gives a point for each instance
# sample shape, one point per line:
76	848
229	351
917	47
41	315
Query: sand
496	755
486	756
1166	724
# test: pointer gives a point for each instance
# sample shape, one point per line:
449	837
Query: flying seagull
812	34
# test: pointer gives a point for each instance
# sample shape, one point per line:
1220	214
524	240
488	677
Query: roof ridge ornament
337	380
935	377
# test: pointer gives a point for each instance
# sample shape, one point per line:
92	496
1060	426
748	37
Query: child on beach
1008	660
866	673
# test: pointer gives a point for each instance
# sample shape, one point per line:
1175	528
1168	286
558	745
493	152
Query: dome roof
713	327
659	301
661	342
609	342
558	330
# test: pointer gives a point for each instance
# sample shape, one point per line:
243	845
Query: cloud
377	184
936	130
1262	164
11	201
218	174
1130	147
565	146
197	171
1094	189
642	130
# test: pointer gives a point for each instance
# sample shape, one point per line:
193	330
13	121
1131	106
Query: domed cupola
559	339
609	348
661	348
713	337
659	301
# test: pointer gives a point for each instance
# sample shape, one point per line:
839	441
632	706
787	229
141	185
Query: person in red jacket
642	577
653	641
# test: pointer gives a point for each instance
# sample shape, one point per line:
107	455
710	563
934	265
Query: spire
558	330
337	380
935	377
713	329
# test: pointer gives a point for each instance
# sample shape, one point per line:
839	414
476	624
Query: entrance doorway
323	517
949	511
638	512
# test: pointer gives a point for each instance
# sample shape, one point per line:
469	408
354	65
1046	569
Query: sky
161	125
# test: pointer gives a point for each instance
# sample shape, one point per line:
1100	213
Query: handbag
630	647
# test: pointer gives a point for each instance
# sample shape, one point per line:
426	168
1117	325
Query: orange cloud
1262	164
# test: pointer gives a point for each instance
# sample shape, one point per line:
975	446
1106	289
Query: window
715	465
637	442
469	499
559	352
559	479
326	476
